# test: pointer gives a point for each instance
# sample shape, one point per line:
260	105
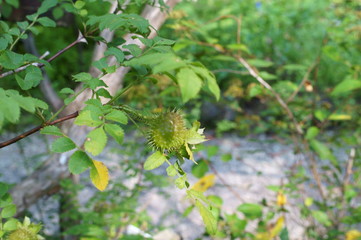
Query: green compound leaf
209	220
8	211
189	83
46	22
79	162
51	130
117	116
33	76
62	144
118	54
11	60
86	118
250	210
96	141
46	5
210	79
115	131
154	160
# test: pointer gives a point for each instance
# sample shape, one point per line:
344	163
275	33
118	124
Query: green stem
23	32
65	105
118	95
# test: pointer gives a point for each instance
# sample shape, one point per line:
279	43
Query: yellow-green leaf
154	160
99	175
208	218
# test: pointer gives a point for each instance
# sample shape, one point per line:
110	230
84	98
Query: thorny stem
80	38
36	129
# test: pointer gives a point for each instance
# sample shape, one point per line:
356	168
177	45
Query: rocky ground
256	163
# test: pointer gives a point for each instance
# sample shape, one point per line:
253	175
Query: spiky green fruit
22	234
167	131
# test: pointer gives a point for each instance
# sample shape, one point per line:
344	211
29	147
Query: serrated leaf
115	131
103	93
79	162
10	109
210	79
171	171
51	130
46	5
99	175
11	60
189	83
117	116
86	118
181	182
345	86
67	91
62	144
131	22
46	22
8	211
82	77
118	54
96	141
209	220
33	75
101	64
26	103
40	104
155	160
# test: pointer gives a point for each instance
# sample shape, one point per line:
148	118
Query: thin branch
304	79
36	129
49	93
278	97
81	38
230	188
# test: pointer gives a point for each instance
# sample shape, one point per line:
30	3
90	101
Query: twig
34	130
349	166
80	38
278	97
224	182
304	79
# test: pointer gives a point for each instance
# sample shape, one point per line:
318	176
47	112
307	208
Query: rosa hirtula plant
104	114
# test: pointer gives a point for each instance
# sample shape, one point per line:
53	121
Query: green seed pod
22	234
167	131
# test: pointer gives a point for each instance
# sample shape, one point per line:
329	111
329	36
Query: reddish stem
34	130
